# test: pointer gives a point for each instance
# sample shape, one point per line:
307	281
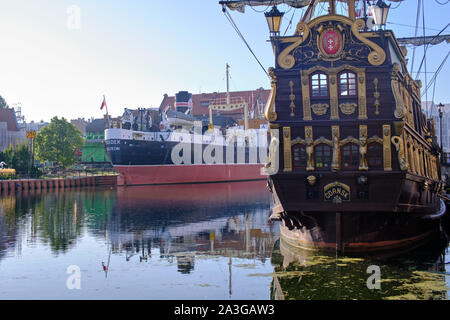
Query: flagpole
107	114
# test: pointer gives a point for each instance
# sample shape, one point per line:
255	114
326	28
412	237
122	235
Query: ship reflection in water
206	241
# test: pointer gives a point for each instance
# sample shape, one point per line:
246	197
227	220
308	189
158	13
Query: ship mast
228	104
228	82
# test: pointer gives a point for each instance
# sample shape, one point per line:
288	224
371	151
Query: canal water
188	242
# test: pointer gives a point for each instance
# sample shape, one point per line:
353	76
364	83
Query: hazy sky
135	51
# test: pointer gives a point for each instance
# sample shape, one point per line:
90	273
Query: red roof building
256	100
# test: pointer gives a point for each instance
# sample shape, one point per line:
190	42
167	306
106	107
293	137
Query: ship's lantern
441	109
274	20
380	12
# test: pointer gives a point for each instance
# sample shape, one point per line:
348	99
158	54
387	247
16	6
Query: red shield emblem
331	42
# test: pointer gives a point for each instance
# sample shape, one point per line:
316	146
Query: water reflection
180	221
184	242
304	275
137	235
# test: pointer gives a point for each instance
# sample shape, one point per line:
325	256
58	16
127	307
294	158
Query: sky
59	57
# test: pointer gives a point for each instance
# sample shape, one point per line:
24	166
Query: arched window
319	85
350	156
375	155
347	84
322	153
299	156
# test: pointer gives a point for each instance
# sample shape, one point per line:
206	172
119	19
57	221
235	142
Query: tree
58	142
19	158
3	104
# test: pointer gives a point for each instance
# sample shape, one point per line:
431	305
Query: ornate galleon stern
351	165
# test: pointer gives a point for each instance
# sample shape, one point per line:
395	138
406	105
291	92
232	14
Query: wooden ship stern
353	162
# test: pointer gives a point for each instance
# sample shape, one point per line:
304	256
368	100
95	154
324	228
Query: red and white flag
103	103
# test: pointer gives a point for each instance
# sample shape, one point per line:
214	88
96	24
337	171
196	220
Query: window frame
354	150
340	86
327	82
378	146
299	147
316	153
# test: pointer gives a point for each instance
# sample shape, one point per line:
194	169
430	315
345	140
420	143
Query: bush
6	174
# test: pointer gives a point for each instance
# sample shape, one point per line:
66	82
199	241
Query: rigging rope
233	24
420	67
436	73
415	35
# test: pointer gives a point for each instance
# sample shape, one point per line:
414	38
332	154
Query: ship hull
154	158
177	174
382	214
358	233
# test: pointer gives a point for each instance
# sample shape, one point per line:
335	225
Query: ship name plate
336	192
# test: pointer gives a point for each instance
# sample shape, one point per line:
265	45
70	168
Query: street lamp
380	11
274	20
441	112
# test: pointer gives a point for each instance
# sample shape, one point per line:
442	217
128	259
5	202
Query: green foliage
3	104
6	174
19	158
58	142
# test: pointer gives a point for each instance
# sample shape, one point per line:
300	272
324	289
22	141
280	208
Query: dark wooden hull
358	232
383	192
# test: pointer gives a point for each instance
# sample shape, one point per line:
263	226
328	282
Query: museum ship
171	146
353	161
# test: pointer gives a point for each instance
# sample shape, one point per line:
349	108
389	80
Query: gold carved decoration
377	56
292	97
336	160
333	96
416	157
348	108
387	161
409	147
422	166
363	148
376	95
287	149
332	74
269	110
336	192
298	140
399	112
271	166
309	148
306	98
398	143
348	140
285	59
426	165
362	95
320	108
311	180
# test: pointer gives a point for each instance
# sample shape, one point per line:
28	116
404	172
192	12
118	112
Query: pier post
339	244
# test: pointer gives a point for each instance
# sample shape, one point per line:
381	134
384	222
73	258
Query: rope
415	34
235	27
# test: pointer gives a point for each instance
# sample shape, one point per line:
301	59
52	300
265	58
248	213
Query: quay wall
11	186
